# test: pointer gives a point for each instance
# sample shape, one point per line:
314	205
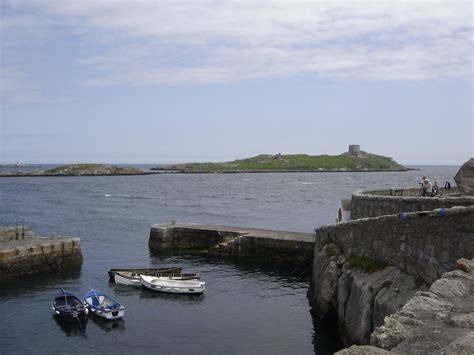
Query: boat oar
78	321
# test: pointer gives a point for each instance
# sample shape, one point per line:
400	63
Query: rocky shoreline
437	321
354	160
63	175
178	171
400	283
80	170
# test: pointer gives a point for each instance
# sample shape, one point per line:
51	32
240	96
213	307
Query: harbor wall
35	255
16	233
423	244
373	203
365	270
169	236
266	245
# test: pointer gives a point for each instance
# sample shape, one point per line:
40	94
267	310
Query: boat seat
95	301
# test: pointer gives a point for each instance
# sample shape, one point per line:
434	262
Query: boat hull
172	286
108	314
68	307
131	277
73	316
129	281
103	306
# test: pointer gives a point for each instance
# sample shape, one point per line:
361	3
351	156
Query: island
81	170
350	161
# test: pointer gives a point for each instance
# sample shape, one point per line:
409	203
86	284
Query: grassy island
92	169
80	170
360	161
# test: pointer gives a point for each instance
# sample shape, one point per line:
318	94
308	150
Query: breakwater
368	268
271	245
373	203
424	244
22	253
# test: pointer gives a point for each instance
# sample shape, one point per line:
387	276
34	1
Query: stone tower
354	149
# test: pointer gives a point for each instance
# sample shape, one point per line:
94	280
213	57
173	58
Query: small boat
68	307
131	277
102	305
163	284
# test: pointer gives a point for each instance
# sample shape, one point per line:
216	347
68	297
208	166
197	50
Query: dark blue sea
246	309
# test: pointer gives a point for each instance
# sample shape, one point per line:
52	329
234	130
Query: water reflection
38	282
291	272
179	298
325	337
108	325
125	290
71	328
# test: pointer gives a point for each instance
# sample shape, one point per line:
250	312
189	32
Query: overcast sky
149	81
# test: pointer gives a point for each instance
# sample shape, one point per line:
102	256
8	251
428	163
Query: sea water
247	308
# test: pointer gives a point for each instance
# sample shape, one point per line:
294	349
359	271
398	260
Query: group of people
427	190
432	190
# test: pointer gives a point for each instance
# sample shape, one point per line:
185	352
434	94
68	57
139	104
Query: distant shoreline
168	172
78	175
354	160
283	171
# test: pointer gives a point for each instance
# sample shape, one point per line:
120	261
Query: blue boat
103	306
68	307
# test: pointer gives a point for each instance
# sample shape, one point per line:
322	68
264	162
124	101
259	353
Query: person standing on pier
427	187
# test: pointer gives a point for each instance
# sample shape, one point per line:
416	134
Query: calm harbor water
246	308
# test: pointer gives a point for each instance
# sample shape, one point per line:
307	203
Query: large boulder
364	300
465	178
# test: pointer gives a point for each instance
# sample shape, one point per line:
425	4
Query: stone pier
266	245
22	253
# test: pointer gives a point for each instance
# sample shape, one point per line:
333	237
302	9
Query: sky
151	81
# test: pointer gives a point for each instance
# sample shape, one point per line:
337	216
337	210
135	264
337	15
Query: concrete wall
274	250
39	255
15	233
379	202
266	245
424	244
169	237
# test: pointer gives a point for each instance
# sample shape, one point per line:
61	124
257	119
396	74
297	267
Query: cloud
150	42
16	87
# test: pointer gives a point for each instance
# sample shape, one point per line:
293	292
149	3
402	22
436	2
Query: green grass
297	162
366	264
91	169
72	167
331	250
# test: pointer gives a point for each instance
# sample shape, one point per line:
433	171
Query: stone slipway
22	253
233	241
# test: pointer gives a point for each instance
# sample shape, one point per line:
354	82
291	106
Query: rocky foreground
438	321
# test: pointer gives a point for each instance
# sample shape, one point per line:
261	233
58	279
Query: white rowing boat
164	284
131	277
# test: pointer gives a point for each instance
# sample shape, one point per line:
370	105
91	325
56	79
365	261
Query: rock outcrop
80	170
440	321
465	178
358	299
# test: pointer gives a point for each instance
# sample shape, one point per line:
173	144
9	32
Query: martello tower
354	148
